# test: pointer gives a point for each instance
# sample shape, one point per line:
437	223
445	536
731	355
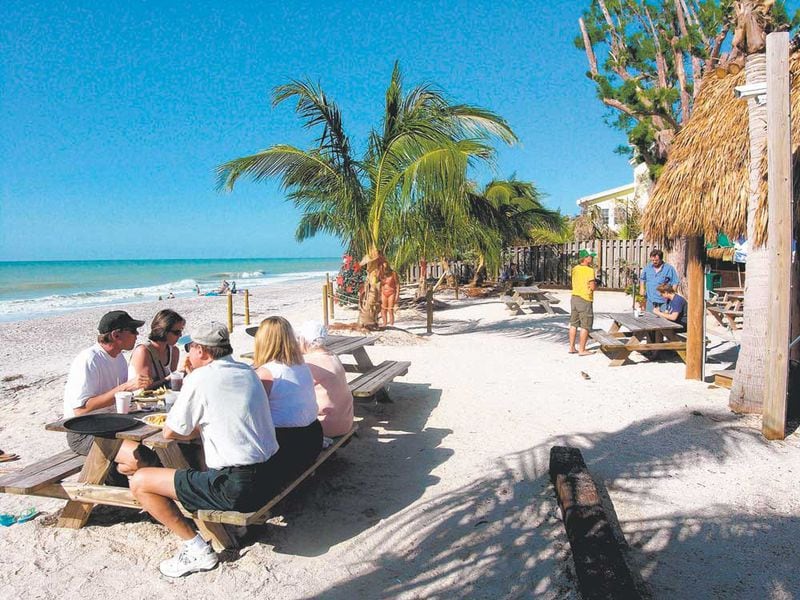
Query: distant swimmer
233	287
197	288
170	296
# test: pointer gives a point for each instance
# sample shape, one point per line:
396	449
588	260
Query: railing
616	262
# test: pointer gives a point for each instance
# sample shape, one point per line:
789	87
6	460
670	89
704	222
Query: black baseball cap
117	319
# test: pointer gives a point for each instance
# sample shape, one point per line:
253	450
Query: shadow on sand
394	465
501	536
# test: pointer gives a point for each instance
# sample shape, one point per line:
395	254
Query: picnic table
727	307
533	296
373	379
645	333
46	478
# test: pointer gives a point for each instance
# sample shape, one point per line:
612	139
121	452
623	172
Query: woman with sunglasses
159	356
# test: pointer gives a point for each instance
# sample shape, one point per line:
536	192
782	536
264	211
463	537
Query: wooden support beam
779	235
695	317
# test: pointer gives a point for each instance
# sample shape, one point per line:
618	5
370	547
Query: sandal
4	457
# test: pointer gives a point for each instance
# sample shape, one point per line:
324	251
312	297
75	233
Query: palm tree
753	21
420	154
504	213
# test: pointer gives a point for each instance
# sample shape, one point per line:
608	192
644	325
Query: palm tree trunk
422	284
480	272
370	298
747	391
451	278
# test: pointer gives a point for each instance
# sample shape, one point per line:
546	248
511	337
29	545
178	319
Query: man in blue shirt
674	308
656	273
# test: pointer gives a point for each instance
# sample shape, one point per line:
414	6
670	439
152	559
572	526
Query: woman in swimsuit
390	293
158	357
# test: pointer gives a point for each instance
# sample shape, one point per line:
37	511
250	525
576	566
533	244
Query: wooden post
696	333
779	236
429	309
325	303
330	300
230	311
247	307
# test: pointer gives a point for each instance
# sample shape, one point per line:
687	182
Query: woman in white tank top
290	388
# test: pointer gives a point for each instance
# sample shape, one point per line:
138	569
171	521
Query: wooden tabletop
728	290
137	434
646	322
528	289
346	344
338	344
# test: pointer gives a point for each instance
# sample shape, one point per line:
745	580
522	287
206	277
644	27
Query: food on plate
155	420
151	395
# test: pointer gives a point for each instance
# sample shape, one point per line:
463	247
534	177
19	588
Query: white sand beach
445	492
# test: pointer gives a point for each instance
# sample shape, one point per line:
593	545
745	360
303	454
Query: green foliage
639	45
414	166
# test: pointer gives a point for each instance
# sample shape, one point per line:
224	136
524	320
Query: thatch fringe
704	188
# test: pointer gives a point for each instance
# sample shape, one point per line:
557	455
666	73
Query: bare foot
586	353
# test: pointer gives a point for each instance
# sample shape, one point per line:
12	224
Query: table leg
95	470
172	456
363	361
547	307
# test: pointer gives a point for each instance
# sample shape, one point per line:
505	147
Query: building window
604	215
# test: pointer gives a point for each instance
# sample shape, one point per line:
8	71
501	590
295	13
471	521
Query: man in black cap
97	374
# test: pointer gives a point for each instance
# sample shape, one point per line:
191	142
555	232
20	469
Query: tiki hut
703	188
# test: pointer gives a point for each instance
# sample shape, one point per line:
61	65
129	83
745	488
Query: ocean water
41	288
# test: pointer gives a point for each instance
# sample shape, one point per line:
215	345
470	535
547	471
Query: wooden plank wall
552	264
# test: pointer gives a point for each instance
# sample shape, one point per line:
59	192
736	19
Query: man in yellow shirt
582	315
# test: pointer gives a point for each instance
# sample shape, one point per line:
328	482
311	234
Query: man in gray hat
224	402
97	374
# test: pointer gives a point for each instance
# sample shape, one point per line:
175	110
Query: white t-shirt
292	399
227	401
93	372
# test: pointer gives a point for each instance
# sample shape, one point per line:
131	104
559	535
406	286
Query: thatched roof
703	188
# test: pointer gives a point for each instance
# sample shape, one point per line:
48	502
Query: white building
614	204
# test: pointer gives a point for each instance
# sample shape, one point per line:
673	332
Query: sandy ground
445	491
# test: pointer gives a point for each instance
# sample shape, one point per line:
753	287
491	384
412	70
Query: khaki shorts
581	314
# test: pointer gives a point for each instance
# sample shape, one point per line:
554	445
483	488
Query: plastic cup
176	381
123	400
169	399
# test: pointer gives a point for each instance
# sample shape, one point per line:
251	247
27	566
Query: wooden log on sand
596	547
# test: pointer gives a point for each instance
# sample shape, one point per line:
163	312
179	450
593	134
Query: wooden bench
607	340
40	474
512	305
618	347
232	517
722	315
376	379
724	378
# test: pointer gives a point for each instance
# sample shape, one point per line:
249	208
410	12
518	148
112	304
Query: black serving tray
102	424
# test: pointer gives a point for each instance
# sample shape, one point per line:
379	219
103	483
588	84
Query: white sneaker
189	561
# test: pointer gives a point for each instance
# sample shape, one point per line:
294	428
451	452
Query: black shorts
244	489
299	448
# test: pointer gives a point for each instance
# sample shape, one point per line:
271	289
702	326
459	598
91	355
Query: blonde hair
275	340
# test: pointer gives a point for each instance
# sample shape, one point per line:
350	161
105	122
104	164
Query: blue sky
116	113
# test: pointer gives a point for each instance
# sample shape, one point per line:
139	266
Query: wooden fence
616	262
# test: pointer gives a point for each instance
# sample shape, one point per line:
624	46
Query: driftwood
595	540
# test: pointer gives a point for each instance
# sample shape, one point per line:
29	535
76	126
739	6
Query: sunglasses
178	332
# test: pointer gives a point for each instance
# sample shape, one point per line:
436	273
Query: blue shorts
244	489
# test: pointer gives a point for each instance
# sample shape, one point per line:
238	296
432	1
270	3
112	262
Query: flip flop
8	457
26	515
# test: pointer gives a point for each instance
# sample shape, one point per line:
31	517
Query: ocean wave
23	308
